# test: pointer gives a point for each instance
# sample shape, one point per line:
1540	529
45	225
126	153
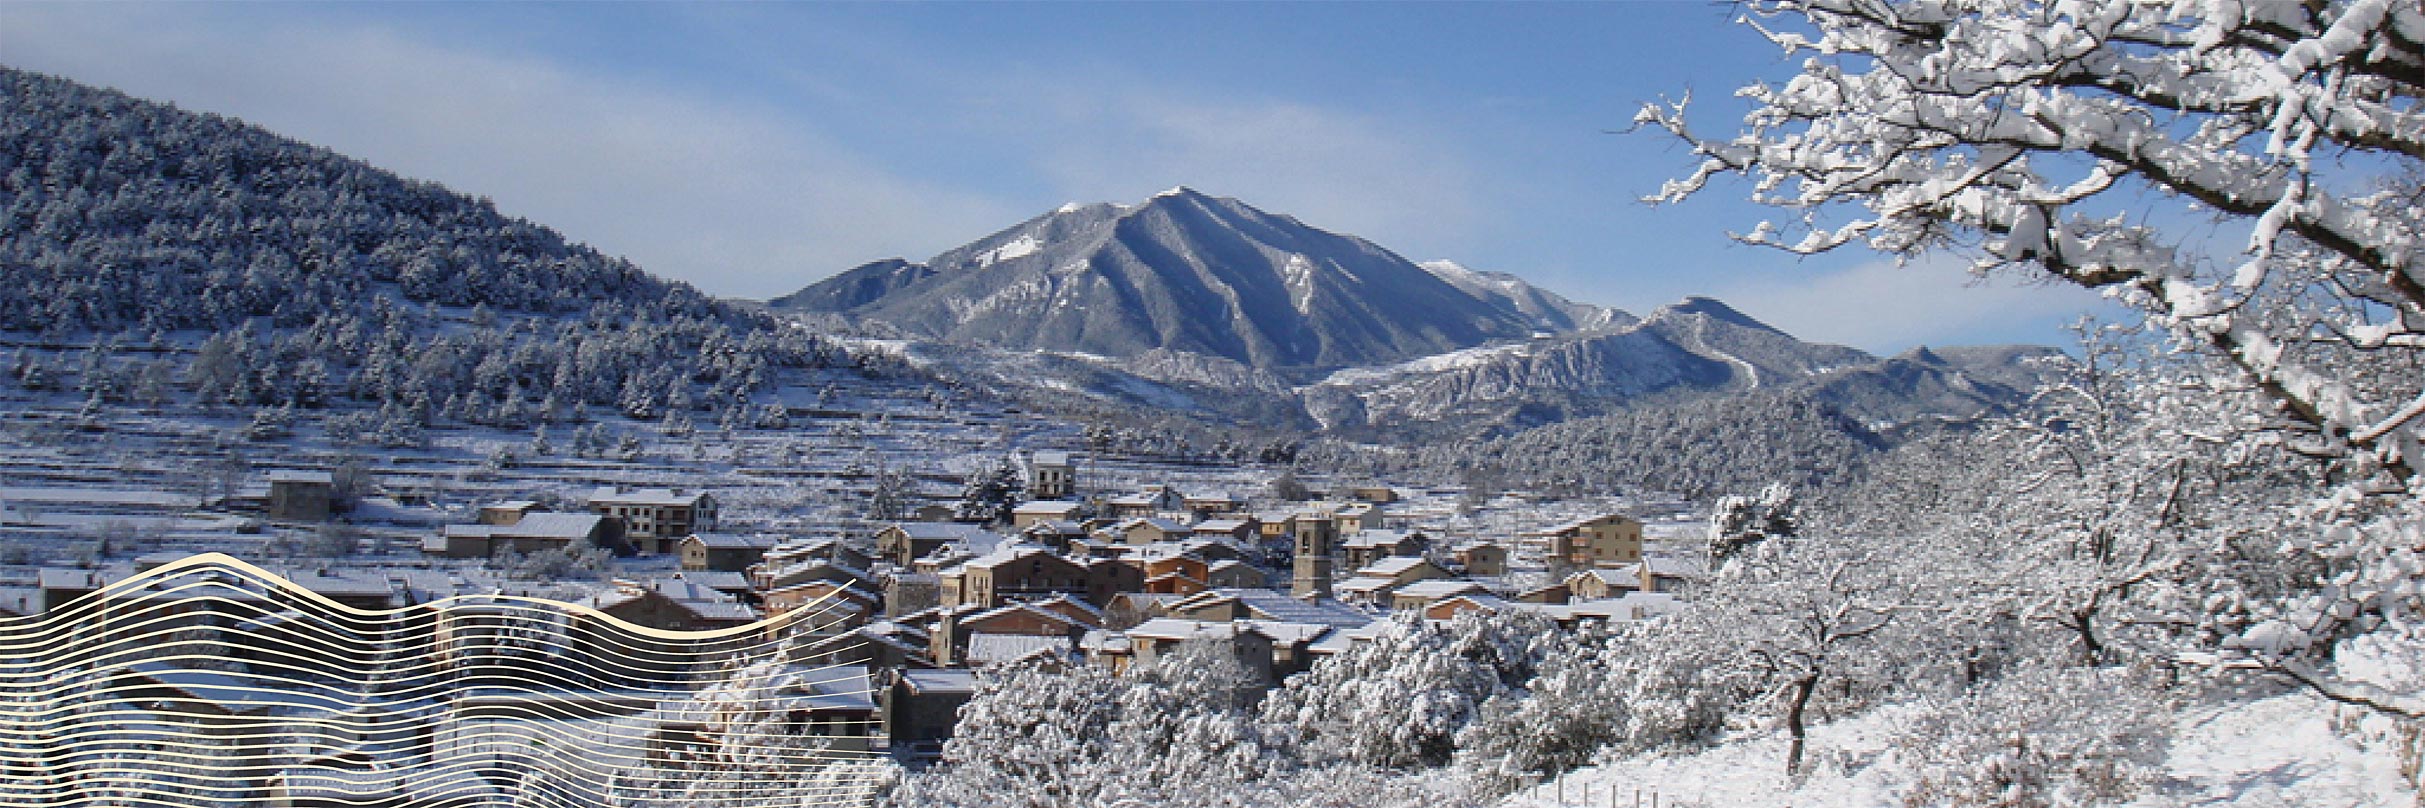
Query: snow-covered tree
1180	730
1737	522
1561	720
1400	699
1030	737
2019	130
1791	626
759	753
2026	135
2045	738
991	492
889	492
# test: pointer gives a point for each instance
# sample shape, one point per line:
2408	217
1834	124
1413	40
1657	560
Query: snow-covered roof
1484	601
1577	524
1015	608
1628	576
1287	633
1166	628
720	580
937	531
309	477
1101	641
1436	589
1155	522
1051	458
1375	539
1346	637
941	680
1545	589
861	593
647	497
1055	527
1175	575
1082	606
1392	566
811	566
1365	585
554	526
875	633
334	583
684	589
237	693
1009	553
994	649
736	612
1220	525
1045	507
1270	604
731	541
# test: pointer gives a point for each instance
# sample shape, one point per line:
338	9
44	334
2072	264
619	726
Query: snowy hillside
2281	751
1549	310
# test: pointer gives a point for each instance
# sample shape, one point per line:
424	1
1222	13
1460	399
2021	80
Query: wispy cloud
1884	308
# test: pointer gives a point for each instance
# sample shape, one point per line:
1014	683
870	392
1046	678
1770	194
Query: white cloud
739	200
1883	308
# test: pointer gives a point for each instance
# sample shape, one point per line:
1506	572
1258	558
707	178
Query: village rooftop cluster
897	621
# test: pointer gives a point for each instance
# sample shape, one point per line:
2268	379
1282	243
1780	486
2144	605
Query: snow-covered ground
2275	752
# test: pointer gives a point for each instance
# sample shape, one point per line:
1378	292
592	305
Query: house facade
655	518
1611	540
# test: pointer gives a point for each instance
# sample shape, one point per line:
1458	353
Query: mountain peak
1923	355
1714	309
1183	272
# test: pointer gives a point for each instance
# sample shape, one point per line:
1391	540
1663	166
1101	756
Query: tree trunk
1802	688
2084	622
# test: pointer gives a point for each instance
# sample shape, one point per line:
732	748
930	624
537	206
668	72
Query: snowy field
2281	751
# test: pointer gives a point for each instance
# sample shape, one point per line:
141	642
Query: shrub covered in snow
2041	739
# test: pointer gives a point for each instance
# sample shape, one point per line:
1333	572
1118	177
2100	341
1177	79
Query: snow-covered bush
1561	720
1180	730
2040	739
1400	699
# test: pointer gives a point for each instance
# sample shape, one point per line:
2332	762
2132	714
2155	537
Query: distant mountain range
1212	299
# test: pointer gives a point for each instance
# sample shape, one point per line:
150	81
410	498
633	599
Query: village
876	636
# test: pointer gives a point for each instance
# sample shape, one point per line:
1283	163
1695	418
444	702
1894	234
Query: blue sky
752	148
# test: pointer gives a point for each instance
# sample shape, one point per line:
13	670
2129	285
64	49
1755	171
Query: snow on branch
2016	129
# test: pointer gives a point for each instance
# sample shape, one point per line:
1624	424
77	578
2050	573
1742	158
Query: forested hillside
296	276
1696	449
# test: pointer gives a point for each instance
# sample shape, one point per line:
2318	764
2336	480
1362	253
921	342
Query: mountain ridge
1180	271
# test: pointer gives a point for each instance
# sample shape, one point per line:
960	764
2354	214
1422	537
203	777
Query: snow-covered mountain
1183	271
1548	310
1693	348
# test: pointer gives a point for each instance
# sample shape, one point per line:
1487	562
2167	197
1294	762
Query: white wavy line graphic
212	682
